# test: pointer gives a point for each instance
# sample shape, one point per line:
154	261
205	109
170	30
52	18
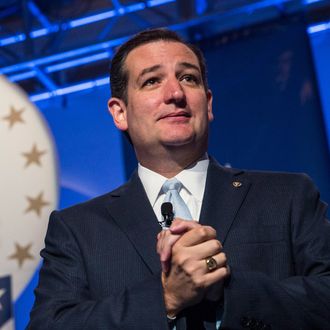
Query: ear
209	105
118	111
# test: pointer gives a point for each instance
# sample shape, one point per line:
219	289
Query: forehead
159	53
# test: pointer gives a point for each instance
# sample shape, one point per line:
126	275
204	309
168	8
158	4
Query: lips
176	114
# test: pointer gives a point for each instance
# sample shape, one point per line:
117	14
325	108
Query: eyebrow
188	65
158	66
149	69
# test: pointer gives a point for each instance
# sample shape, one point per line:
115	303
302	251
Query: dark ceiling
46	46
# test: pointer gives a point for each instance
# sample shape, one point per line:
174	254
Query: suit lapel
225	191
131	210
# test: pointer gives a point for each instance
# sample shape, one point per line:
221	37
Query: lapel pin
237	184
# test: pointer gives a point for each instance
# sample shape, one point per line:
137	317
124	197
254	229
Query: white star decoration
29	168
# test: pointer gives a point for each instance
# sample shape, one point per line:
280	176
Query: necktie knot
172	184
171	188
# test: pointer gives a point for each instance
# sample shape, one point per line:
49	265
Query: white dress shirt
193	180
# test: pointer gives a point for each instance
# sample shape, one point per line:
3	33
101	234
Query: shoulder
273	189
285	183
94	208
278	178
296	186
269	180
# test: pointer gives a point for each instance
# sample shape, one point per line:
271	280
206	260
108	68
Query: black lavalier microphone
167	213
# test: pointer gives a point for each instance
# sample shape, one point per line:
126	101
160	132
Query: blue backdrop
267	106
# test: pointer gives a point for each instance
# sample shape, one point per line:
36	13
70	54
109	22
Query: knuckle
189	268
224	272
163	257
217	245
224	257
211	231
203	232
199	283
180	260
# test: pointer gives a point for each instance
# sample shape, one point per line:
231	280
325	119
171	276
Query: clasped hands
183	250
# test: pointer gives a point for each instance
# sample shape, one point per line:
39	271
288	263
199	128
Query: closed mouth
176	114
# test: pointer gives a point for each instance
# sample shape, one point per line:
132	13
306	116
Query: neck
170	161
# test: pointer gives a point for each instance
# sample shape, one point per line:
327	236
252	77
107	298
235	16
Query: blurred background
269	70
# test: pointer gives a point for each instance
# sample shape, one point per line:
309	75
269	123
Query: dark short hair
118	72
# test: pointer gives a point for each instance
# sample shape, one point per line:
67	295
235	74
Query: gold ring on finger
211	264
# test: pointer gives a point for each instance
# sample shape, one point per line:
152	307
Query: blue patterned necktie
172	188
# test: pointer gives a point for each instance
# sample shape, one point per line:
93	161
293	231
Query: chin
178	142
173	136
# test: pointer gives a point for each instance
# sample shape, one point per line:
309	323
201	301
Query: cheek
144	105
201	109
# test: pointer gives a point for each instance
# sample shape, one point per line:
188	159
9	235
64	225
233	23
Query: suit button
259	325
252	324
247	322
244	322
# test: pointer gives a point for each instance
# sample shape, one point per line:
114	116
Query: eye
150	82
190	78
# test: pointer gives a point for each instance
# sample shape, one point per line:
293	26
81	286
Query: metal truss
56	54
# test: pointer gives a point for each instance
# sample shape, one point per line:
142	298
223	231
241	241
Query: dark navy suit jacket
101	270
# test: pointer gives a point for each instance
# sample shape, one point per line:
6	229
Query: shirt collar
193	179
152	182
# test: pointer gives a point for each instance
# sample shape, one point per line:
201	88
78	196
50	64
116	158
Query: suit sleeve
256	301
63	299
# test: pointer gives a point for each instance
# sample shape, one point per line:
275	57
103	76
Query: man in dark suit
258	256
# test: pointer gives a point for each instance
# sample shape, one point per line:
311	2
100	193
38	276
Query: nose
174	92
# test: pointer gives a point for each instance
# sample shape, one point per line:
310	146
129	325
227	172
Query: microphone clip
168	215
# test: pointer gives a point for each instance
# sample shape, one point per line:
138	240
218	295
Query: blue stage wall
268	114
